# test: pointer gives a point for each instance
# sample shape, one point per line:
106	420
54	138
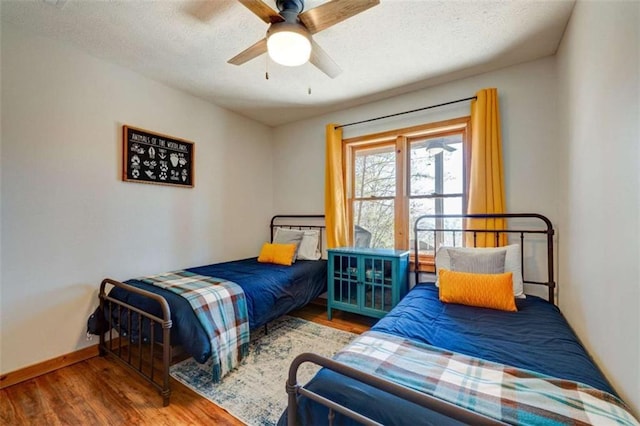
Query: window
394	177
374	195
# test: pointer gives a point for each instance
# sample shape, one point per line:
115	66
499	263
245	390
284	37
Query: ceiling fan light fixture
288	44
437	146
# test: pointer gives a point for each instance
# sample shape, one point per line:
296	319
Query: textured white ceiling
392	48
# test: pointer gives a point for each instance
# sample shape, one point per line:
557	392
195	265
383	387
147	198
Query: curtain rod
406	112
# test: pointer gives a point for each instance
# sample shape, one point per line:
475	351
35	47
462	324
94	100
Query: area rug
255	392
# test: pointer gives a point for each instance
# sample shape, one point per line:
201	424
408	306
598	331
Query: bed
146	322
374	379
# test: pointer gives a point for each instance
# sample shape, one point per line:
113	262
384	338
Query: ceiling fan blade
330	13
323	62
248	54
262	10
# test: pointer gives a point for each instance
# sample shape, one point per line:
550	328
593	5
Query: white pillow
511	262
308	249
289	236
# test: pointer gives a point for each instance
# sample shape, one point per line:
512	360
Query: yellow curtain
334	196
486	180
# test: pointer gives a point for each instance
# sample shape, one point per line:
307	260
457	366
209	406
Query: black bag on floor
97	324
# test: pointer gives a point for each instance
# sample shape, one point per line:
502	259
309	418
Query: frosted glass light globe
289	48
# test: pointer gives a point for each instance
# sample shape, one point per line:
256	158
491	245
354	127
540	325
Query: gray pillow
289	236
478	263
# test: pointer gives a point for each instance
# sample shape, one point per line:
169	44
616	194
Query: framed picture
150	157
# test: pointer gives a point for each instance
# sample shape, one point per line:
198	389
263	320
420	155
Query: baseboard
48	366
32	371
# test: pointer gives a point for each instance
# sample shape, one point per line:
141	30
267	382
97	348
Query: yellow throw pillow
280	254
493	291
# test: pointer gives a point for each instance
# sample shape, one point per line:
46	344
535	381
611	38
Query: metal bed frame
133	355
547	230
294	389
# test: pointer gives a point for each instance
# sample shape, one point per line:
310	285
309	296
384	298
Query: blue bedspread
537	338
271	291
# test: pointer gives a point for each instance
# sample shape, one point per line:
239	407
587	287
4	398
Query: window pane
418	208
436	165
452	179
374	224
422	167
453	206
375	172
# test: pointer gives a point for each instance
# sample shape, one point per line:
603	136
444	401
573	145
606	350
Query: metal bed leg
292	406
162	385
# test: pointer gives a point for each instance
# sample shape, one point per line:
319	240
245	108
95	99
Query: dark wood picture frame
150	157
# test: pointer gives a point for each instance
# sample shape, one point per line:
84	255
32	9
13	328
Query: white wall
599	92
67	218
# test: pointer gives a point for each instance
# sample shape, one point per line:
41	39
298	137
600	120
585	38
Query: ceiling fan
288	40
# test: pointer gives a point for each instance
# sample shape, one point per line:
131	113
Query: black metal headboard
436	224
300	222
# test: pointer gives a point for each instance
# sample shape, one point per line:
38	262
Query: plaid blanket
508	394
221	308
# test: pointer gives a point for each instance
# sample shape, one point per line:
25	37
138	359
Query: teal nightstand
366	281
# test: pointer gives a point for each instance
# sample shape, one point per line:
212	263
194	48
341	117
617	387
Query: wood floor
80	395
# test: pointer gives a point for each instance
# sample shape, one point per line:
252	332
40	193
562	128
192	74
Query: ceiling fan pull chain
266	67
309	90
